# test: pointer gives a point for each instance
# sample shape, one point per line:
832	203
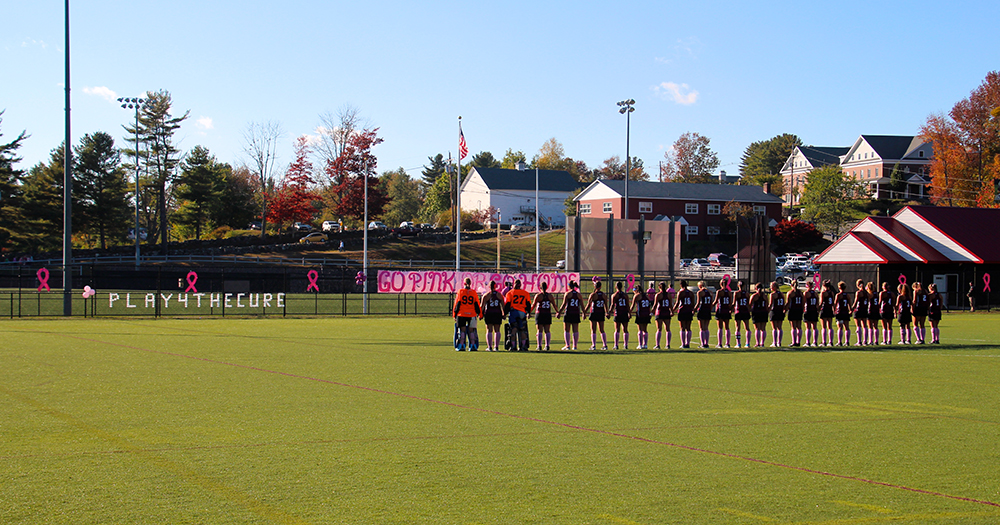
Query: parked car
313	238
302	227
407	224
255	225
406	231
685	263
377	225
720	259
561	264
331	226
521	227
425	226
700	263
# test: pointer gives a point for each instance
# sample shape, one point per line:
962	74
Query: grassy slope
511	249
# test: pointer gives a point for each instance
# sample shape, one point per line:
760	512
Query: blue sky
517	72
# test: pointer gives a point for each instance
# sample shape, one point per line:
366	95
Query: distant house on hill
870	160
513	193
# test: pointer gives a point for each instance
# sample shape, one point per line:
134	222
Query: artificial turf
379	420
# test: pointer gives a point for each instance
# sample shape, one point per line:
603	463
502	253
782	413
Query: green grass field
365	420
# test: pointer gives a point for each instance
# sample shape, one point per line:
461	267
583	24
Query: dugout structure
948	246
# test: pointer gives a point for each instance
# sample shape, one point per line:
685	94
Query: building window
584	208
712	230
714	209
645	207
759	210
876	173
691	208
691	230
607	207
920	153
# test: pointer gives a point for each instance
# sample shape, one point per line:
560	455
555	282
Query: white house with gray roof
513	193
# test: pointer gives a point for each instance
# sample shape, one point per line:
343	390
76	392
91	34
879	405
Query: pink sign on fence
449	281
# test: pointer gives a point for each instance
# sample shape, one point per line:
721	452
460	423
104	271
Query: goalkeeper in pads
465	310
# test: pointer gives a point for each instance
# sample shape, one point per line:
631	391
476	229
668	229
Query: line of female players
810	313
874	313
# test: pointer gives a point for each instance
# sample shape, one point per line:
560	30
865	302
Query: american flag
463	149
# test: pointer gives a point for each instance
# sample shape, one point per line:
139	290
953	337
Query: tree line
180	195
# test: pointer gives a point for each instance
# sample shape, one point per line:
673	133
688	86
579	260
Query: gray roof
548	180
892	146
686	190
823	155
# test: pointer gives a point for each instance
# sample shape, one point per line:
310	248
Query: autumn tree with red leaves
690	159
966	164
293	198
796	235
348	174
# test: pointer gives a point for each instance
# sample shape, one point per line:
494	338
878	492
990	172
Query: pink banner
448	281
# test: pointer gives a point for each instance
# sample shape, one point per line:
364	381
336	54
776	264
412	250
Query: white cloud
679	93
685	48
31	42
102	92
205	123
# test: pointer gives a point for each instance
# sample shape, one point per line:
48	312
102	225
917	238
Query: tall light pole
538	227
67	196
136	104
626	108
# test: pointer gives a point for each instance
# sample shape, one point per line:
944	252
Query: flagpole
458	202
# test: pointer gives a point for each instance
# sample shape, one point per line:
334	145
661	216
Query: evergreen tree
435	170
484	159
157	153
199	189
100	184
10	187
40	224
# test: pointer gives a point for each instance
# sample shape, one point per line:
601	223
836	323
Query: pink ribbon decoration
360	278
313	276
986	282
902	279
726	279
817	280
43	279
630	281
192	277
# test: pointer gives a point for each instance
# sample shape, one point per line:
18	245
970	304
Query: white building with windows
513	193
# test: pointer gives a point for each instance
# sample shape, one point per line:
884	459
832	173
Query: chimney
521	165
767	187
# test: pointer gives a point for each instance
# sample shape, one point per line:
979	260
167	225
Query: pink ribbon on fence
726	279
902	279
192	277
817	280
43	279
986	282
313	276
630	281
